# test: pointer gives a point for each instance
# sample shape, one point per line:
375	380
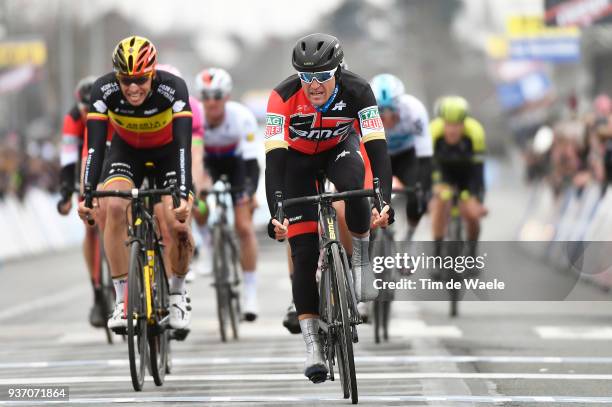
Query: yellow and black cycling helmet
134	56
453	109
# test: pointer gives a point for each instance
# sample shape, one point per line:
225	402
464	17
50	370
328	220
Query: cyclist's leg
253	172
304	241
346	170
235	168
405	167
180	248
124	171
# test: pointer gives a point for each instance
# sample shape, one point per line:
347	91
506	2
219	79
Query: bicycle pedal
179	334
119	331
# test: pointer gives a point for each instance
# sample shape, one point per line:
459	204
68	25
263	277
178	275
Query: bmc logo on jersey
274	124
369	118
323	134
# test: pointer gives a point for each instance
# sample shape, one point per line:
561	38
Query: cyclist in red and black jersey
151	118
73	135
313	125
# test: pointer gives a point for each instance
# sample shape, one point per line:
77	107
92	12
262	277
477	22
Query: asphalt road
495	353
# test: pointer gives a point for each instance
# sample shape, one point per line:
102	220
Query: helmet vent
319	45
130	63
132	41
331	53
303	46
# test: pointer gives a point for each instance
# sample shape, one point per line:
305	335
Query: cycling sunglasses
215	94
127	80
320	77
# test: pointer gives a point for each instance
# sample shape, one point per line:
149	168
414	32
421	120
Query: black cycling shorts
461	177
405	167
233	167
252	175
126	162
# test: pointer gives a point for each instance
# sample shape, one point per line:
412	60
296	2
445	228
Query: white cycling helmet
169	68
387	89
214	81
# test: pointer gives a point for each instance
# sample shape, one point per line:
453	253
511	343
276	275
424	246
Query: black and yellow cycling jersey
162	123
460	164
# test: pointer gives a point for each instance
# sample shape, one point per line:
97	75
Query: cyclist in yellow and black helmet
149	114
459	147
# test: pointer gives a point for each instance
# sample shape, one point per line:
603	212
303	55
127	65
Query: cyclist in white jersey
229	132
408	140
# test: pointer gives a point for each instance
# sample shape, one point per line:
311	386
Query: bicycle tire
136	328
234	292
325	314
455	234
220	284
106	286
157	335
345	336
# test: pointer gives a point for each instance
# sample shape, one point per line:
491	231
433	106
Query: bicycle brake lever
280	213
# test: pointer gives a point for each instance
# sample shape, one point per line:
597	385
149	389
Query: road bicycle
337	302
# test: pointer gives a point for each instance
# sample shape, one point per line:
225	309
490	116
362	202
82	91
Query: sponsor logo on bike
330	229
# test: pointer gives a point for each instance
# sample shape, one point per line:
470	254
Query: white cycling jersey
412	130
235	136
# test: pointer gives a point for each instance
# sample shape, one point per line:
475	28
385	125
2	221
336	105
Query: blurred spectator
36	167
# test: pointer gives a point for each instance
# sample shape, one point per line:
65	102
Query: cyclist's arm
277	126
181	131
249	149
200	179
97	127
423	145
374	141
477	134
72	132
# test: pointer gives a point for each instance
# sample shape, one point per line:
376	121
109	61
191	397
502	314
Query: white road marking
363	398
603	332
299	377
360	360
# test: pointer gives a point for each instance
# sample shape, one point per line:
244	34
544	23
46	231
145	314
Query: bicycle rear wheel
158	334
136	317
344	354
222	289
455	247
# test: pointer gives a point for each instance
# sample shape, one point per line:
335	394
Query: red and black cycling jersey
293	121
164	116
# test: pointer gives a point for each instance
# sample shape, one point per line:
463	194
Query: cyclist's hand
64	207
278	231
86	213
381	219
182	212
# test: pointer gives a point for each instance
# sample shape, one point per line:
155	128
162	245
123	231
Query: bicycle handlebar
328	197
133	193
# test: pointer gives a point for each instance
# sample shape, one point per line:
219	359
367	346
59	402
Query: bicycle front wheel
136	317
157	333
344	354
106	285
222	288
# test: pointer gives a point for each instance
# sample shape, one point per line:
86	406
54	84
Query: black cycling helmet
82	91
317	52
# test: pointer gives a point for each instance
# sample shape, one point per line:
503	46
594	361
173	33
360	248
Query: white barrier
34	226
573	216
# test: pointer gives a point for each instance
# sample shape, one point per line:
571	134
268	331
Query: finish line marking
263	399
299	377
363	360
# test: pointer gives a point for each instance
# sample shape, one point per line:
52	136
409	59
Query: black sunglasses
216	95
128	80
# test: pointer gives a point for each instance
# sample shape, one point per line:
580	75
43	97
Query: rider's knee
116	211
